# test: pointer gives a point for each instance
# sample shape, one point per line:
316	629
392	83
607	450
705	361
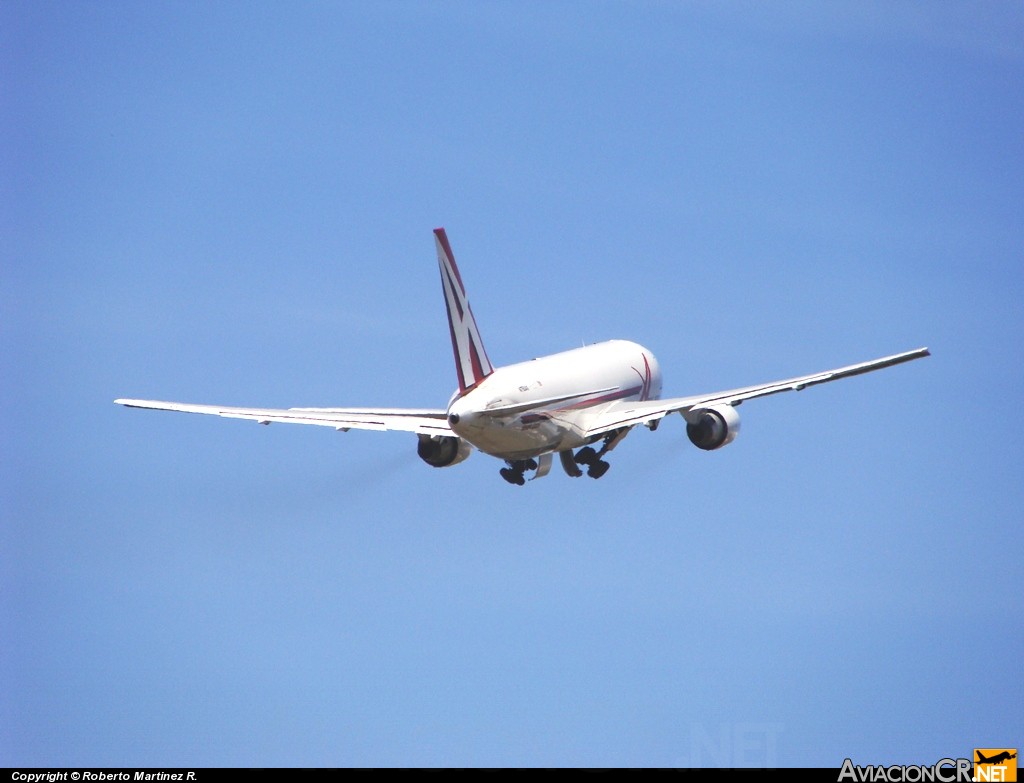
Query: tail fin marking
471	362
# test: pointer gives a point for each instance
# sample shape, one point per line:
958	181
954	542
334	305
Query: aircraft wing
426	422
628	414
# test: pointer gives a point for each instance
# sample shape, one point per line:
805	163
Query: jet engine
440	451
713	427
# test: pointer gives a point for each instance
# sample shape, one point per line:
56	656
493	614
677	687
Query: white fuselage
535	407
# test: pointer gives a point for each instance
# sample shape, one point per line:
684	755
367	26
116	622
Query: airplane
578	404
996	759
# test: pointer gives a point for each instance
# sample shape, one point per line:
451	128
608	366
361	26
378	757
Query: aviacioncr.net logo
998	765
942	771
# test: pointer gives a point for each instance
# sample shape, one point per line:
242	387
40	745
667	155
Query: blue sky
232	203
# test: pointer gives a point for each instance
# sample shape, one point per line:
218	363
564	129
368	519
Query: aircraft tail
471	362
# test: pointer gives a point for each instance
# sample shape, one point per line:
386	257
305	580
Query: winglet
471	362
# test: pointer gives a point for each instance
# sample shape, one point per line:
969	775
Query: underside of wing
425	421
628	414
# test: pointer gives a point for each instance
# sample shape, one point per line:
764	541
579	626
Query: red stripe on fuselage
610	397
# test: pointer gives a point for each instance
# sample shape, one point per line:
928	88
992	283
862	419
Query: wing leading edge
424	422
627	414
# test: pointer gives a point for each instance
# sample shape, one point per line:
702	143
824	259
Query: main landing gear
596	467
513	474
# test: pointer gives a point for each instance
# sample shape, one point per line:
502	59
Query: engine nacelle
440	451
713	427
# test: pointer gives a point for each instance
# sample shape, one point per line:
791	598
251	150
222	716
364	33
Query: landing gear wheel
585	456
598	469
513	476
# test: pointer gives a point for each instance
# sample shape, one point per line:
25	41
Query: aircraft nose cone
453	419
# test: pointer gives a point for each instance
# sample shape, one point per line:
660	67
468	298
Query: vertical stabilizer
471	362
